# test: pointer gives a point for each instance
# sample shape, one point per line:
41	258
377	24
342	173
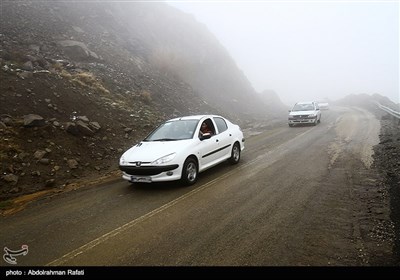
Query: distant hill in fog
272	98
367	101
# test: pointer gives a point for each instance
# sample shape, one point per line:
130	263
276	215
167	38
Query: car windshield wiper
165	139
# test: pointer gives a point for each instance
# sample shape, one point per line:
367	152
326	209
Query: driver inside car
205	129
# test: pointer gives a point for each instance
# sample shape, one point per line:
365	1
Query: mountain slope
80	82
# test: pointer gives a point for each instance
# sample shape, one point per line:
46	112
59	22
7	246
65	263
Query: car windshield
173	130
303	107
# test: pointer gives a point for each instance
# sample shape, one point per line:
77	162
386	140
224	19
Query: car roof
306	102
194	117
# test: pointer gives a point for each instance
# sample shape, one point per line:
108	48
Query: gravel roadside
387	161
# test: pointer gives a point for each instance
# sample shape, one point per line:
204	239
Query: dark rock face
33	120
77	51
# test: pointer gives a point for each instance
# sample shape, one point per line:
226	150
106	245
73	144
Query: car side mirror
205	136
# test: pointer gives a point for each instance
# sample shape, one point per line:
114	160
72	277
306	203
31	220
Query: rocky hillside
82	81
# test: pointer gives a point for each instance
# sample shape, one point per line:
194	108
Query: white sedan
177	150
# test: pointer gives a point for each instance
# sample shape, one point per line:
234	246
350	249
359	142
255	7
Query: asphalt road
298	197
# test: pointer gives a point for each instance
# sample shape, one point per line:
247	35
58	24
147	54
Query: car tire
235	154
290	125
190	171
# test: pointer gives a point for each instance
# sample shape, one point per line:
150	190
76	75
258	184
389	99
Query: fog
308	50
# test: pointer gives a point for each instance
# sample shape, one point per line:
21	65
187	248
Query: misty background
308	50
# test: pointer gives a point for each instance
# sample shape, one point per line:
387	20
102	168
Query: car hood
297	113
152	150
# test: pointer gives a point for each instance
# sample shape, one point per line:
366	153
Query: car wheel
290	125
189	171
235	154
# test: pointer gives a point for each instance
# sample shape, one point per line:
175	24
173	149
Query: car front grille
301	117
147	170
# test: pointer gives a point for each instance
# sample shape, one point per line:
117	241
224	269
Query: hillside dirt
46	156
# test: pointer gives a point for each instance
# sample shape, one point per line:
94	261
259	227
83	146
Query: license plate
141	179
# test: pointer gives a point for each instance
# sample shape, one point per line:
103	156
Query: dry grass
86	80
146	96
58	66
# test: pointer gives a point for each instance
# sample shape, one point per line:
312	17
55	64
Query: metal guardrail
388	110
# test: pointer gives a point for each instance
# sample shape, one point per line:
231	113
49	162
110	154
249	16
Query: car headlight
122	161
164	159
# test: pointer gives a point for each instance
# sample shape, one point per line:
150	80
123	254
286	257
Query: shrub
146	96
